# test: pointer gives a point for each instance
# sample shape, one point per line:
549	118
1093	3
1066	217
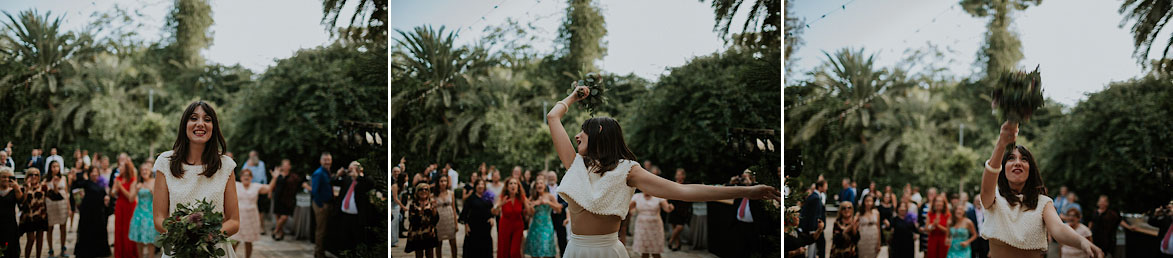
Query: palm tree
765	14
853	99
39	43
1149	18
375	12
450	108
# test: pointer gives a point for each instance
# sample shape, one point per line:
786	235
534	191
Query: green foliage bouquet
193	231
594	82
1017	94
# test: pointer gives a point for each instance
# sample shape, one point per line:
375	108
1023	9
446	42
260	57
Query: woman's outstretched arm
1008	134
1063	233
562	143
660	187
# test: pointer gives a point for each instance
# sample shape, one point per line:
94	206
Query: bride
602	176
194	169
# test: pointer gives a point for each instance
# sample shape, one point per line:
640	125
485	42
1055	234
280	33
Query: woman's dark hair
474	188
49	175
211	157
1034	182
864	203
605	145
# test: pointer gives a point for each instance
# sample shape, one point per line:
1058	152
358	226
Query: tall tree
1002	49
580	38
766	15
189	22
793	29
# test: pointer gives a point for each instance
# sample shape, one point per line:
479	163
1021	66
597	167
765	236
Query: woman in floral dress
34	219
142	223
541	241
421	238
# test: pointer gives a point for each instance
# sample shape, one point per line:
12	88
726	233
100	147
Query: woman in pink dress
246	197
649	227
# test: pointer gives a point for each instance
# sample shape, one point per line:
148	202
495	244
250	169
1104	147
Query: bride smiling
196	169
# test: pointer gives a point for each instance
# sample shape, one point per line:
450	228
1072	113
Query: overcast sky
251	33
1078	44
643	36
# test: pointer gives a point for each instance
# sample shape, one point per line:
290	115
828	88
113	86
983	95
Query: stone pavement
447	250
265	248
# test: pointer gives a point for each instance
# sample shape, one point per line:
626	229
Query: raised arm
660	187
1008	134
1063	233
562	142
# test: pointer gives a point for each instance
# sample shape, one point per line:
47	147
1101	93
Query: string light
824	16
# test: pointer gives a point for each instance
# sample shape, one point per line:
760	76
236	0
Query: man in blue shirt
322	194
848	193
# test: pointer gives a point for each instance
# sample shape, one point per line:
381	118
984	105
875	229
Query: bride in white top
195	169
601	177
1018	213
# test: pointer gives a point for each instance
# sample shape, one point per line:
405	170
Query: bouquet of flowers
1018	94
594	82
193	231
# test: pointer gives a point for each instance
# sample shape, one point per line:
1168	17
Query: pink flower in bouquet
195	218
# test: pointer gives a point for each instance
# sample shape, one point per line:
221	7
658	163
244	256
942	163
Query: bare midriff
999	249
585	223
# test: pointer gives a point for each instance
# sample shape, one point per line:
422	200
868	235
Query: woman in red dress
510	206
123	211
936	223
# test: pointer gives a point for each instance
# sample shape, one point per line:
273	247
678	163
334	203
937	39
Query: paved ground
265	248
291	248
684	252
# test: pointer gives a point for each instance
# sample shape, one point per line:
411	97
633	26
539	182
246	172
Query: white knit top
606	194
192	186
1016	226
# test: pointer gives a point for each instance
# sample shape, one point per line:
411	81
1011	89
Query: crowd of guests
944	224
524	208
54	195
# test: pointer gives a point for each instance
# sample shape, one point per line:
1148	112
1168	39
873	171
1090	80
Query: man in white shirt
85	154
54	157
453	177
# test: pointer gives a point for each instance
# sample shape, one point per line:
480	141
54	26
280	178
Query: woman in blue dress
962	234
541	242
142	224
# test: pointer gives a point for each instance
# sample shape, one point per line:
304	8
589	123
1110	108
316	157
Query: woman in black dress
91	227
10	194
903	230
679	216
285	197
476	217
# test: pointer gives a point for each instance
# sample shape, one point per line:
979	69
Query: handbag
55	196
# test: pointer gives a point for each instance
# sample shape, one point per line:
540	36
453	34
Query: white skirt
601	246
